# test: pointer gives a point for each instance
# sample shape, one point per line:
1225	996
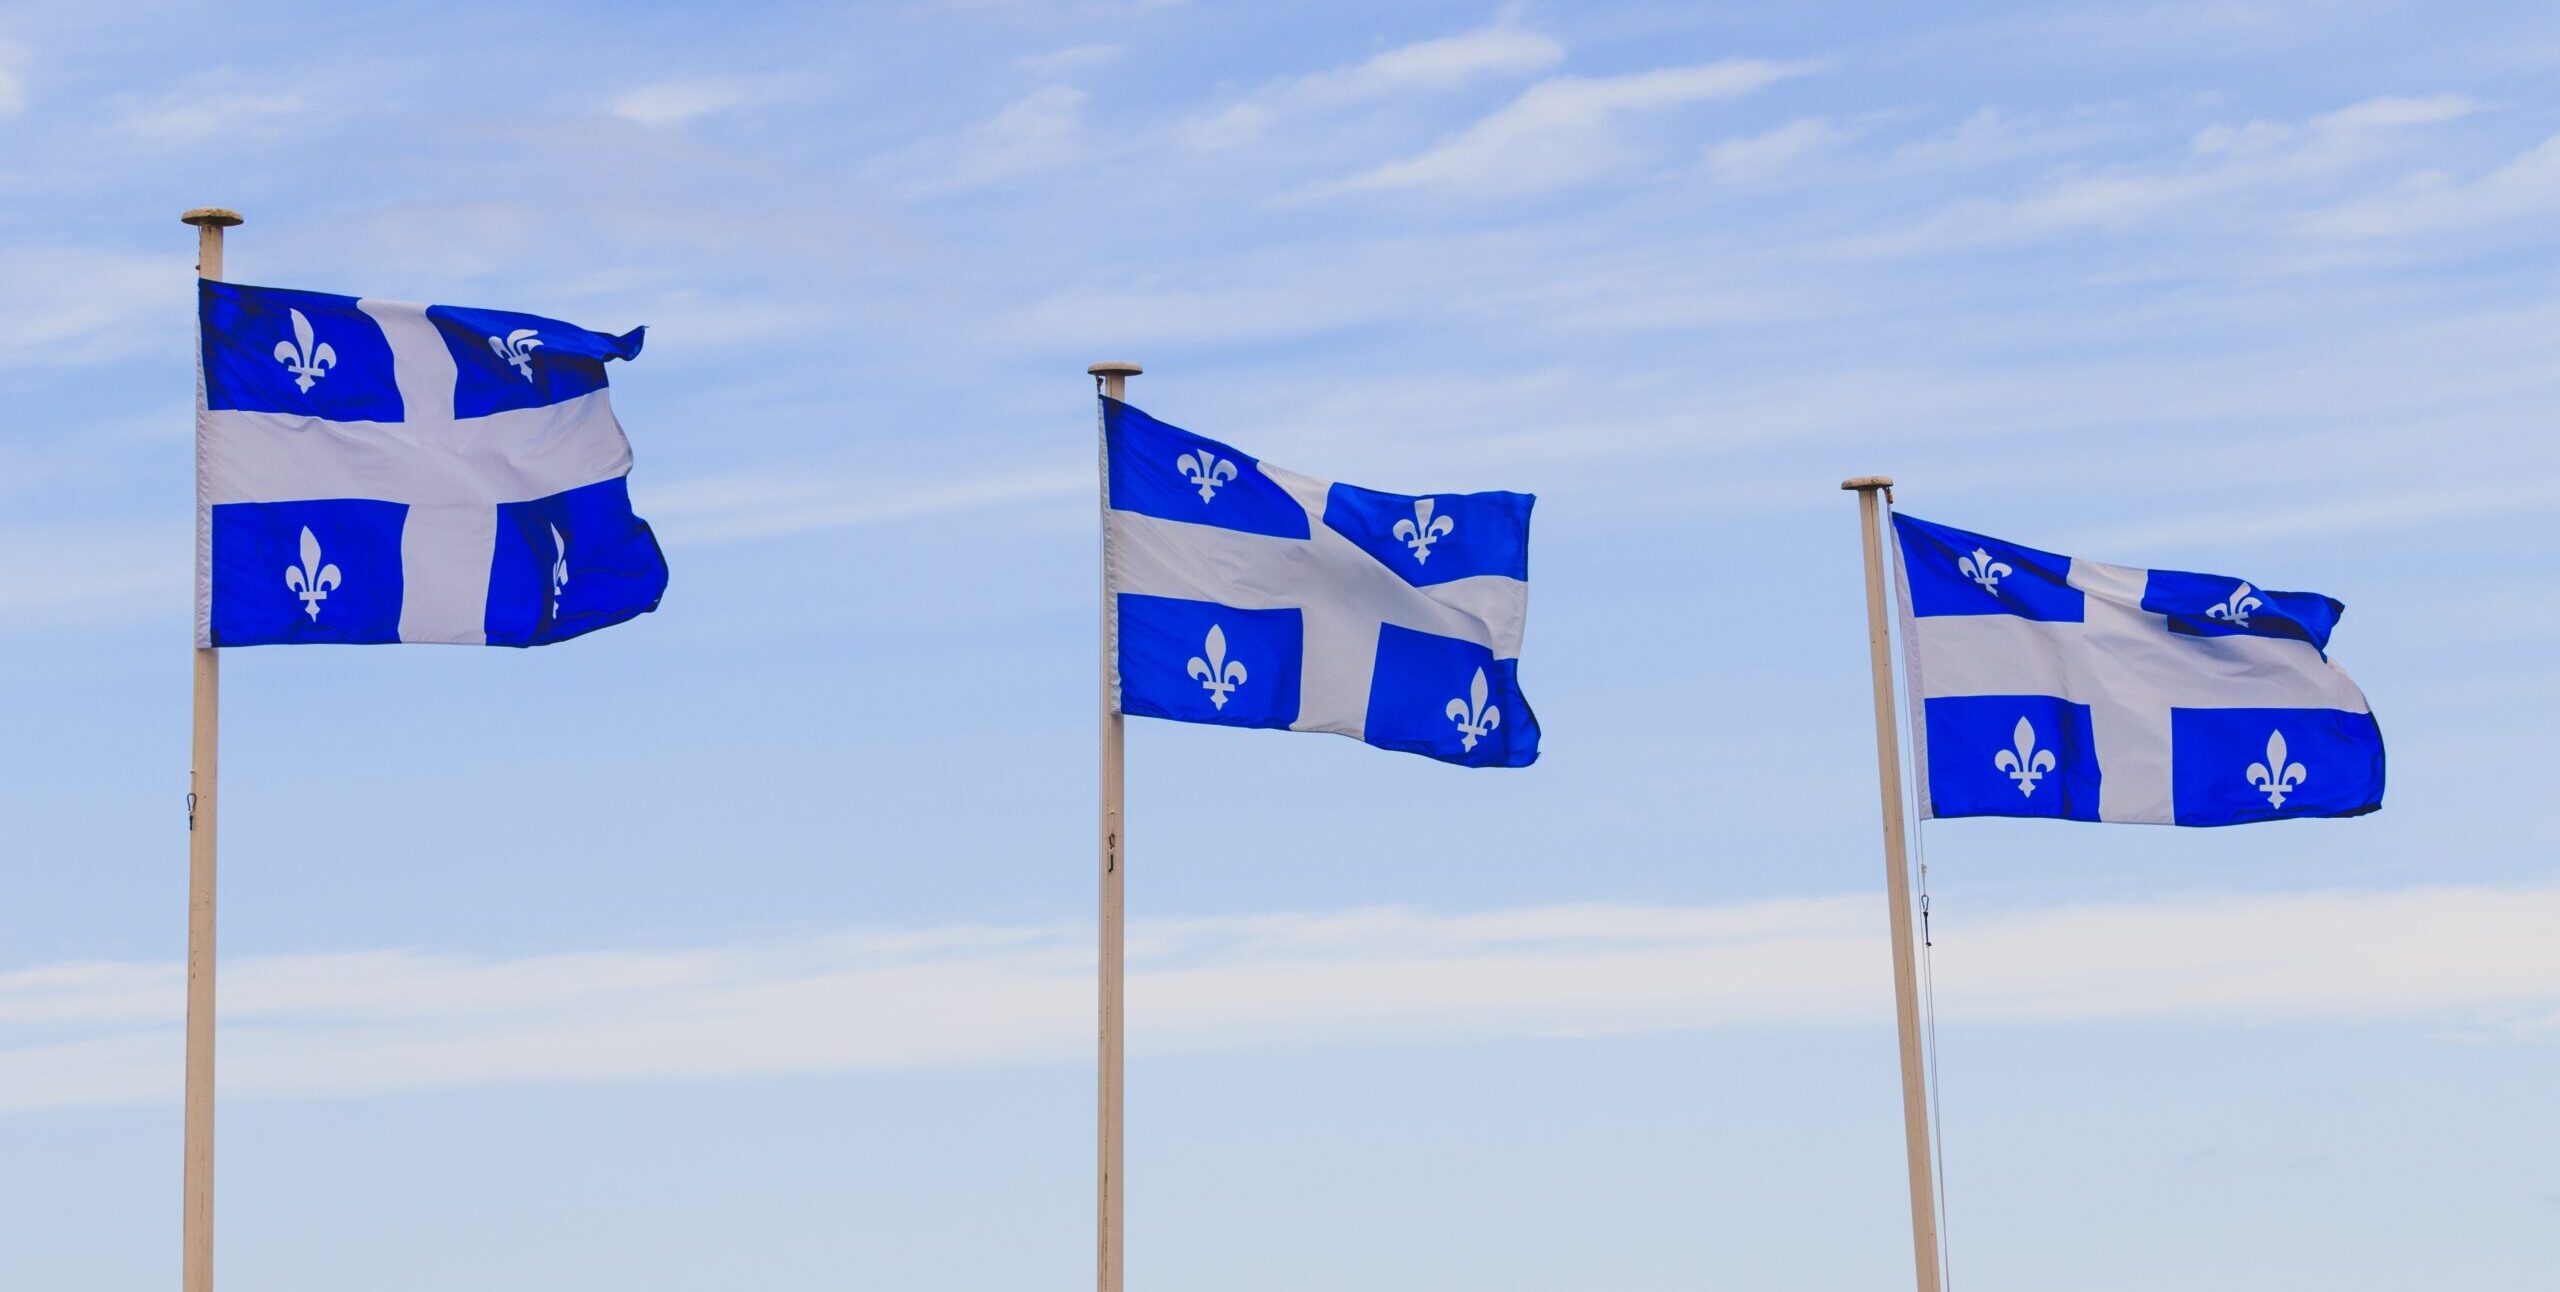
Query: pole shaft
1108	1198
1897	878
196	1233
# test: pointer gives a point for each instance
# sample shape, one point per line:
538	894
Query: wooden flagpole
196	1231
1108	1200
1873	492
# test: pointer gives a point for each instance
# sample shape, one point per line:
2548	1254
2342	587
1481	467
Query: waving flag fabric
1248	596
2048	686
375	471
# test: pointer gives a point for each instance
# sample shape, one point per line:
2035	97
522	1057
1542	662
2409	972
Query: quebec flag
1248	596
2047	686
375	471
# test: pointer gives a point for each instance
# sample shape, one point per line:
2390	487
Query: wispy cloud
2525	187
1566	129
670	103
191	116
1993	135
70	306
1073	58
1440	64
2402	506
1750	158
2392	110
1040	131
751	506
13	79
2476	959
126	570
2219	163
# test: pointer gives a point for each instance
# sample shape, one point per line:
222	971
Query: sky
752	943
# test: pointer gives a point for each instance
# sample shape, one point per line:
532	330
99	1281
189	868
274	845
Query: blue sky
750	944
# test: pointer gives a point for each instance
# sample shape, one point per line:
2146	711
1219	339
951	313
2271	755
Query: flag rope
1928	957
1929	1030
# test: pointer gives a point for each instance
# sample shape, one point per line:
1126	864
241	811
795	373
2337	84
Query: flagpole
1108	1181
196	1230
1873	492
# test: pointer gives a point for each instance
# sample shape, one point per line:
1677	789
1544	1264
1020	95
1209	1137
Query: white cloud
1756	157
2527	186
2245	139
2337	135
2220	164
128	569
66	306
1992	135
731	508
1445	63
13	79
1563	130
1039	131
190	116
1074	58
670	103
1244	302
2394	111
1441	64
2476	959
2404	504
1442	280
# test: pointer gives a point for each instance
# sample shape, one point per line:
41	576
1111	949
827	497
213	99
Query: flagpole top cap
1864	483
1115	368
211	217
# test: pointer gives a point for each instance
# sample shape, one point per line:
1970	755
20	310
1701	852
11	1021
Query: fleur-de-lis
1218	675
1206	471
559	565
1980	568
311	581
1474	717
1423	530
2275	777
2026	764
306	360
2235	611
517	348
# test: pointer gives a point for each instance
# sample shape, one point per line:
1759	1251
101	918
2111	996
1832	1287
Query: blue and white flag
376	471
1249	596
2047	686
